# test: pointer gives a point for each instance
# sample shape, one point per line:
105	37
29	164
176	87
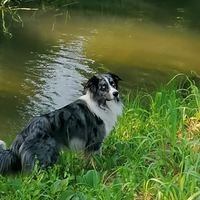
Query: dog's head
104	87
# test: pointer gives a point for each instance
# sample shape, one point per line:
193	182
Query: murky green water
44	65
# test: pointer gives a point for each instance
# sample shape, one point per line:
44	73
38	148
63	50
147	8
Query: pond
47	61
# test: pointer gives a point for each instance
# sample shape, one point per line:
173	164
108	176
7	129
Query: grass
153	153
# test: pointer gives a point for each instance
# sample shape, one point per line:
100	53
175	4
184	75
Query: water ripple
55	78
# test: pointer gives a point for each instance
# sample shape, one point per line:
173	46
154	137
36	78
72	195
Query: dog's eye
103	87
112	83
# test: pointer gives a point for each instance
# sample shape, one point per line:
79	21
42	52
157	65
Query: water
45	64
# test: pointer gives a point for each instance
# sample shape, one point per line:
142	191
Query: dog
81	125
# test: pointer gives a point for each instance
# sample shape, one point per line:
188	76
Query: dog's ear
115	77
92	84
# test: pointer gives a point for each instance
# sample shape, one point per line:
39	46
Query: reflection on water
146	46
41	69
41	80
56	77
144	53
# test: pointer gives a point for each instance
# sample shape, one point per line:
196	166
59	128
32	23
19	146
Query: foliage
11	7
182	13
153	153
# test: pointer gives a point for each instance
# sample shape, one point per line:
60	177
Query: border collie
81	125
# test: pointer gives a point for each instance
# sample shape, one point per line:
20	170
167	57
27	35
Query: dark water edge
179	13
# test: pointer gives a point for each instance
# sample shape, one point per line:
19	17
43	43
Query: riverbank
152	154
182	14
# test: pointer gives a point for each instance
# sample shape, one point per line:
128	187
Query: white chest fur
108	115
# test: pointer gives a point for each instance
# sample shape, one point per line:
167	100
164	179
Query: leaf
3	188
92	178
117	188
59	184
128	198
117	184
15	184
66	195
80	196
80	180
197	116
197	194
119	147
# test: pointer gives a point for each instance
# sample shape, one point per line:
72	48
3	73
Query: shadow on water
44	65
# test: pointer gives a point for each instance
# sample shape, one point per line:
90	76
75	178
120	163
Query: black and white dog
81	125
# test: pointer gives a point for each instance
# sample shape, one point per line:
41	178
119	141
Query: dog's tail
9	160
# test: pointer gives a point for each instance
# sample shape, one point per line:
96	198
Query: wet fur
81	125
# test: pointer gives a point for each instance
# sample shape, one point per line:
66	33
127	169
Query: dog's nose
115	94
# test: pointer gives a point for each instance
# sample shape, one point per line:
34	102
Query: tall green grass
153	153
